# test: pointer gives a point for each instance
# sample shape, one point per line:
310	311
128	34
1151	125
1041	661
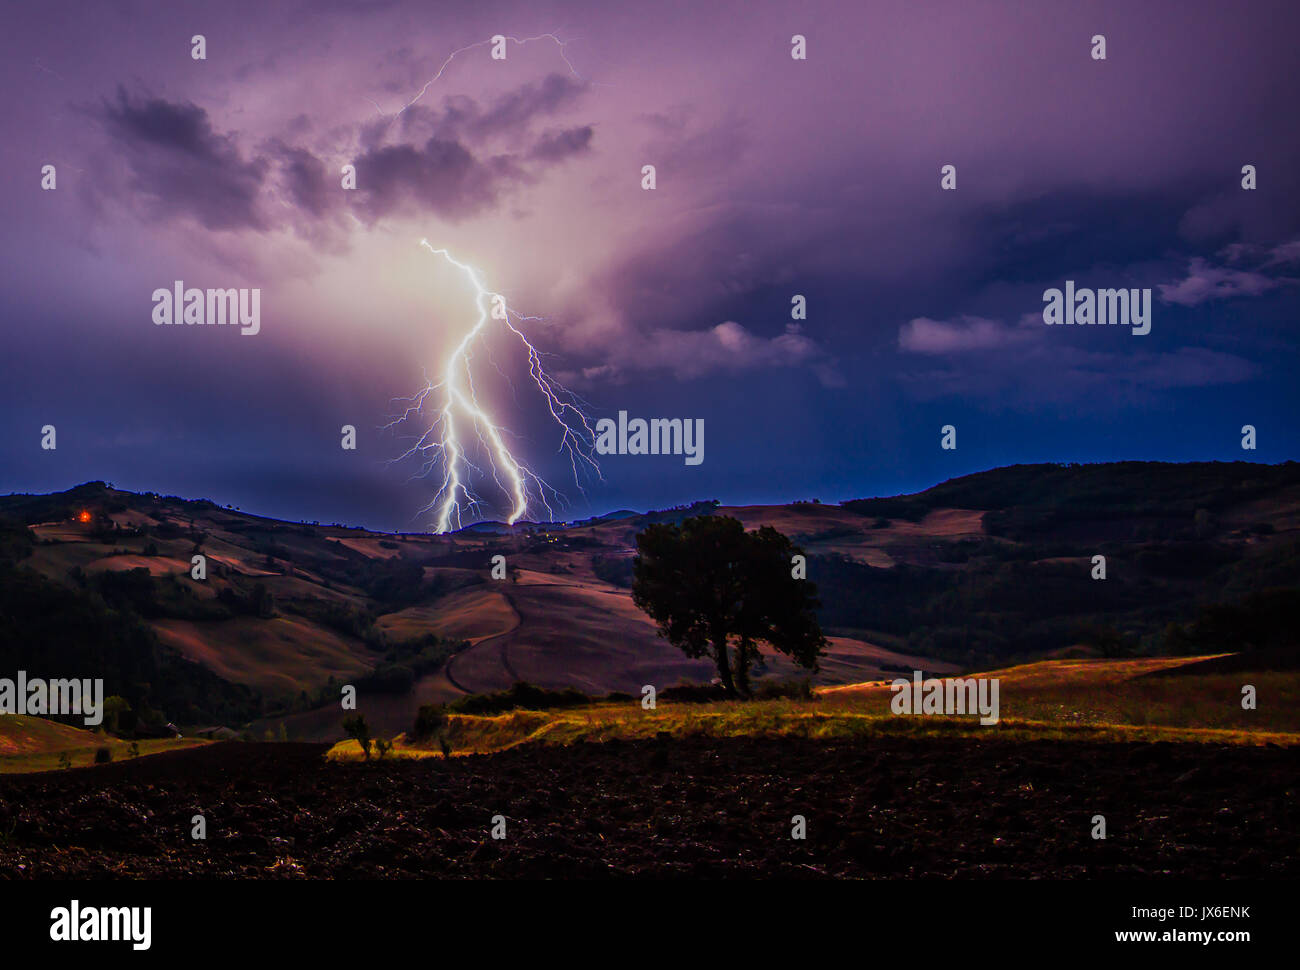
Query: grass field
1116	700
37	744
1085	700
1122	692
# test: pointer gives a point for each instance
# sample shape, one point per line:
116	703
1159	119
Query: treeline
1006	604
679	513
172	597
406	661
615	570
1132	500
1265	621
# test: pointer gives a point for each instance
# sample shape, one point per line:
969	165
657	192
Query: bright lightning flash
455	409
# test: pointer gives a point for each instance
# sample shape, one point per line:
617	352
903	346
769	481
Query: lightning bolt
469	47
451	406
455	408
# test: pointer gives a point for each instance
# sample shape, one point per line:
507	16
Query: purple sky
775	177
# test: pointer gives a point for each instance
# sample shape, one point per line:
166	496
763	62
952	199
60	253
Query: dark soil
892	808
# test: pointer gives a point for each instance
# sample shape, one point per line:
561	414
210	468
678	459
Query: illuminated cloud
926	336
1206	282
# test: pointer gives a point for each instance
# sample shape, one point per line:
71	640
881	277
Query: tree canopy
715	590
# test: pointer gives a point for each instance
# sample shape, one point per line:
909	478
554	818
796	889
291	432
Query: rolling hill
978	572
40	744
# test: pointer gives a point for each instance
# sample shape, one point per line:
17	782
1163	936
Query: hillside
974	573
39	744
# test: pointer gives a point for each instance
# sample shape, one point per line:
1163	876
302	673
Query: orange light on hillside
84	516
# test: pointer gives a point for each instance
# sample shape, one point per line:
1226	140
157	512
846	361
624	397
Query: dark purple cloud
461	117
442	177
183	166
555	146
312	188
518	108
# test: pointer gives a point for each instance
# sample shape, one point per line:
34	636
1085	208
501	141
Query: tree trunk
743	660
724	665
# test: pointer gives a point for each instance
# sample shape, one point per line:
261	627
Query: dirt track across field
695	807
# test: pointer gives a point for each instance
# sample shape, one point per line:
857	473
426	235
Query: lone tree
715	590
357	727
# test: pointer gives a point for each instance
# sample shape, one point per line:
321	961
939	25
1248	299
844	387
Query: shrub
522	694
615	570
388	679
357	727
428	721
103	756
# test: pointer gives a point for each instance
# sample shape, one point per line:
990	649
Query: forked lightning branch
457	420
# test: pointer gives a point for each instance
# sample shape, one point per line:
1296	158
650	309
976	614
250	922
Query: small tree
712	588
357	727
116	708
